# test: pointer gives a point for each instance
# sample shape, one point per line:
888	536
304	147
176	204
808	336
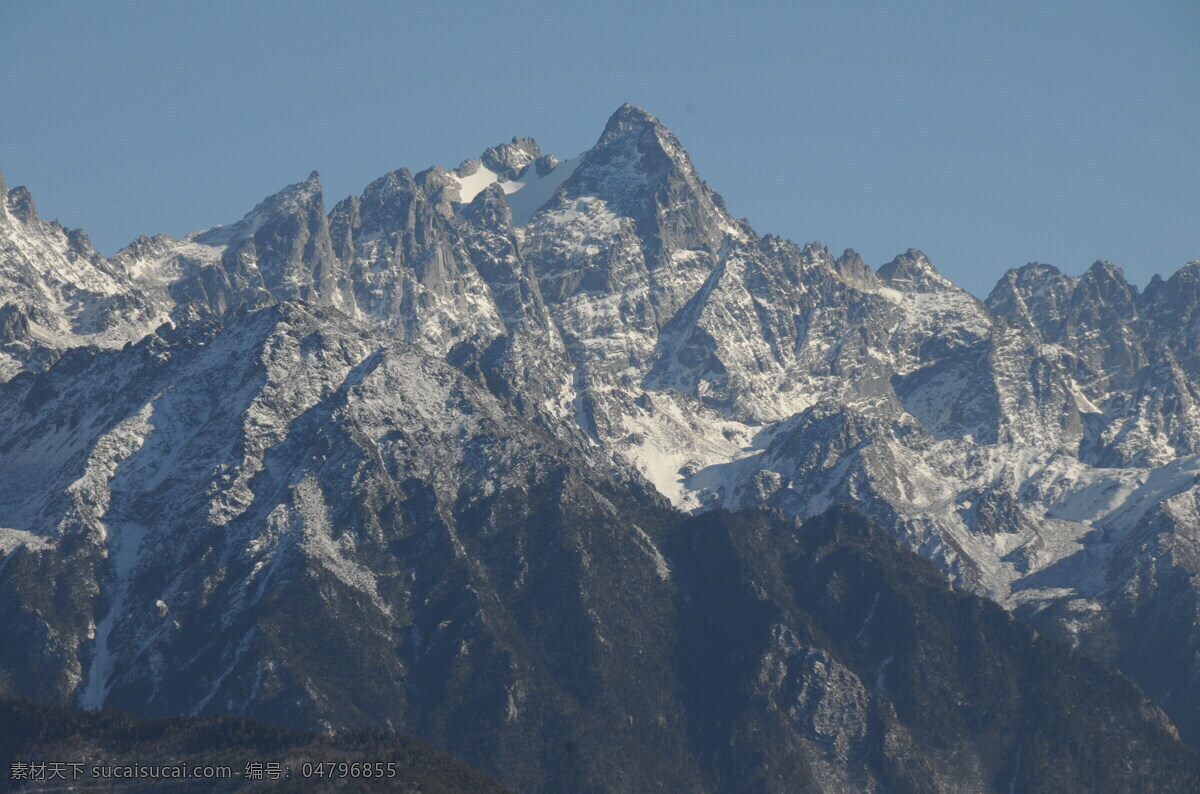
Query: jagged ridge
1038	446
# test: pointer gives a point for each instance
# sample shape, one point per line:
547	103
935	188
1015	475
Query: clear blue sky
988	134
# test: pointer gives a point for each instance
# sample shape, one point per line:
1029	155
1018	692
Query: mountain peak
634	133
635	157
20	204
1029	277
1190	271
1107	276
300	199
1103	292
510	159
1035	270
290	197
854	270
629	117
1106	269
1184	282
913	271
1032	296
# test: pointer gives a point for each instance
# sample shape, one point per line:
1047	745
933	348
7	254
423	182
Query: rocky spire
294	253
854	271
20	204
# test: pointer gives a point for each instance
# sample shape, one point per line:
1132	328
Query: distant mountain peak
1104	282
854	271
297	198
1106	269
633	133
629	117
1188	273
913	271
508	160
639	168
21	205
1034	271
296	194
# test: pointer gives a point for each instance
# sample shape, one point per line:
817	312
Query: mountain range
561	467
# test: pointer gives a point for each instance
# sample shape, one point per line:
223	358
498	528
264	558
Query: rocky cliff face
56	292
418	461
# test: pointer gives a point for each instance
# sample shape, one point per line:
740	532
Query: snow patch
472	184
124	545
13	539
320	545
661	566
534	191
881	673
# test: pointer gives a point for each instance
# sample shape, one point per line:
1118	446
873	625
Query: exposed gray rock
419	414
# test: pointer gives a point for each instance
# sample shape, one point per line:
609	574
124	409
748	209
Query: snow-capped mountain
56	292
440	425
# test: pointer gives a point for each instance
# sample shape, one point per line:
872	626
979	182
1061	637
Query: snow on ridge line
539	190
525	195
473	184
